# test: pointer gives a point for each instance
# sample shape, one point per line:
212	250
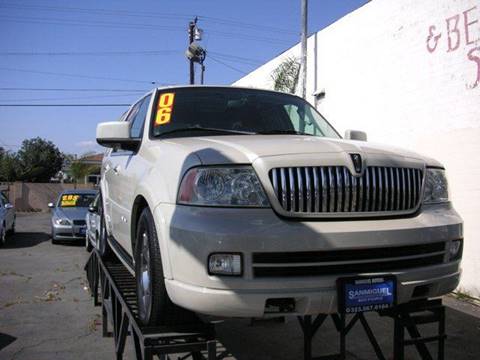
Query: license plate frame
366	293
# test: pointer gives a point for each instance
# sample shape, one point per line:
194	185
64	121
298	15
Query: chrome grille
333	189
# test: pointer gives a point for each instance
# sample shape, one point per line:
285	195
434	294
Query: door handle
116	169
106	167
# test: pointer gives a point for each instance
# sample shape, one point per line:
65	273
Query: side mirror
51	206
8	206
356	135
92	209
116	134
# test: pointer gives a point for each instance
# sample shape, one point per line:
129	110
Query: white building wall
408	73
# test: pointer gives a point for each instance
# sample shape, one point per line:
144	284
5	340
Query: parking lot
46	312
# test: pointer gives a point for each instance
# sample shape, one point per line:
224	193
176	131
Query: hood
245	149
71	213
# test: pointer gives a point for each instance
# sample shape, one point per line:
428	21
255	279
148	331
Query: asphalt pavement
46	312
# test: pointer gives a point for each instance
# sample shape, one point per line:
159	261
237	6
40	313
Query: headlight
220	186
225	264
436	187
63	222
455	248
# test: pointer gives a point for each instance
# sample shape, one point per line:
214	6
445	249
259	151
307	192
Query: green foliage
8	166
38	160
285	76
78	170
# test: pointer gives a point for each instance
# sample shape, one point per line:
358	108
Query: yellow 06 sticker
165	107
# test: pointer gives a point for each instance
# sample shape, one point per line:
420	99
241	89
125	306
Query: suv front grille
343	262
333	189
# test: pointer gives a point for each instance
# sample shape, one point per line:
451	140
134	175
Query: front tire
154	305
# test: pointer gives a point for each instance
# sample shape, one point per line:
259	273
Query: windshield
75	200
220	111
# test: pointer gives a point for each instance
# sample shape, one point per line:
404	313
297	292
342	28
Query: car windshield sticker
69	200
165	107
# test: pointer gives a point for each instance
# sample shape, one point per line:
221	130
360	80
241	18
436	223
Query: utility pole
303	60
191	30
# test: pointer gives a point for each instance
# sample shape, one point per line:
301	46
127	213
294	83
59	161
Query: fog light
225	264
455	249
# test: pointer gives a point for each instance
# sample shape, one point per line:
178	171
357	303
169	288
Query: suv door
127	165
109	178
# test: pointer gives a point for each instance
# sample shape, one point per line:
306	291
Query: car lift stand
113	284
406	316
113	287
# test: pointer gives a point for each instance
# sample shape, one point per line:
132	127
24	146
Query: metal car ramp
114	289
405	317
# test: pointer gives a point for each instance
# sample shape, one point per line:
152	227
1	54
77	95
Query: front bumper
68	232
190	234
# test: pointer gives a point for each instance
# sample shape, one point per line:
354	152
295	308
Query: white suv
246	203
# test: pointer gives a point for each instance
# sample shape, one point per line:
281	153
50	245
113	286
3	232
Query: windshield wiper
278	132
226	131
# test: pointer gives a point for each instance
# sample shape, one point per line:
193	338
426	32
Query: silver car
93	225
246	203
7	218
68	215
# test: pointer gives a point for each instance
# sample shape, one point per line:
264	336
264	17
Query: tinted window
139	120
243	110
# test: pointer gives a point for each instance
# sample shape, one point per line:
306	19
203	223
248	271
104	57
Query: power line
70	89
89	23
88	53
138	52
227	65
242	24
77	75
90	11
156	15
72	98
62	105
137	26
236	58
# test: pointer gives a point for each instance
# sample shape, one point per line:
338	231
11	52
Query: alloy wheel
144	284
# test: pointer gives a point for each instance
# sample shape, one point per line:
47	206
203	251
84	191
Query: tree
8	166
285	76
78	170
38	160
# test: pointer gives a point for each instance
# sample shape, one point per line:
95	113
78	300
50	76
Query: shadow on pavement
6	340
25	239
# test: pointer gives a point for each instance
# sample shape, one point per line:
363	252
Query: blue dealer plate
366	294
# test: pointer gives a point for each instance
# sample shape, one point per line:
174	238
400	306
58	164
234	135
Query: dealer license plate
361	294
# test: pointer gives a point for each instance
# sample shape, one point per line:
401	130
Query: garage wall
408	73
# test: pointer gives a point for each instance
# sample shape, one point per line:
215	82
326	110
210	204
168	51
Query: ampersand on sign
432	37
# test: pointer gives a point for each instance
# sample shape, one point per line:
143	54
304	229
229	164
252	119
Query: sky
113	51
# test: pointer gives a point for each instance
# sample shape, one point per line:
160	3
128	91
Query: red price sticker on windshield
165	107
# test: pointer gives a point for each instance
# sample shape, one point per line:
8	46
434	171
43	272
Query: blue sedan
68	215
